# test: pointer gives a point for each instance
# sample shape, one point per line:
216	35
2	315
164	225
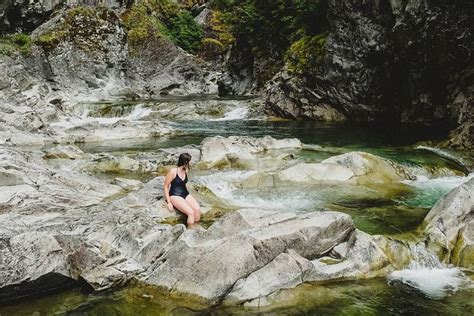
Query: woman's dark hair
184	159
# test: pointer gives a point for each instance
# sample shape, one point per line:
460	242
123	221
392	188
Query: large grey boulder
449	225
358	257
207	263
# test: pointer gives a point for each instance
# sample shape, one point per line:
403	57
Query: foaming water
429	190
443	183
235	114
221	183
139	112
444	154
429	276
435	283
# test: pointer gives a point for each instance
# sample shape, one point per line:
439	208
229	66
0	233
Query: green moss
7	49
306	54
16	42
50	40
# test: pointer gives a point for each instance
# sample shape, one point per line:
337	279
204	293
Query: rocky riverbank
108	232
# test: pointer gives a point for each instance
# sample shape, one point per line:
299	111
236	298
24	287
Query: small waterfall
429	276
235	114
447	156
139	112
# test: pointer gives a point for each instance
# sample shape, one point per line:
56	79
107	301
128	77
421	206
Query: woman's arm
166	187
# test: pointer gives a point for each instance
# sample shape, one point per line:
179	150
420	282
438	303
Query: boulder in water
449	226
369	168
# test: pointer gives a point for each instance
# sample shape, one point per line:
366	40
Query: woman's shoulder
173	171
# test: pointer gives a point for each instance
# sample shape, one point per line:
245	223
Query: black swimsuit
178	186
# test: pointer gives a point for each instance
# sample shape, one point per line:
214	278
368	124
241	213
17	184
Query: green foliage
16	42
270	27
150	19
213	42
306	54
141	26
221	28
185	32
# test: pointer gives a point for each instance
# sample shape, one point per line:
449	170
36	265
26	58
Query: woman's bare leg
195	206
181	205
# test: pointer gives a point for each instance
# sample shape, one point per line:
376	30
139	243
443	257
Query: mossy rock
85	27
306	54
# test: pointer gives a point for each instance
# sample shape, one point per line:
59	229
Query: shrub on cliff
185	32
161	18
16	42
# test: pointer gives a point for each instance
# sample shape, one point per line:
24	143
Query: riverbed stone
285	271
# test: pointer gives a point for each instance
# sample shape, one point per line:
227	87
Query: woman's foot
192	226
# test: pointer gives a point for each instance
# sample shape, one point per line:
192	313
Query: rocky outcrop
29	186
25	16
449	226
82	54
354	167
208	263
394	61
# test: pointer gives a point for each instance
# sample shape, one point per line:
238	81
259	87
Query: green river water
395	210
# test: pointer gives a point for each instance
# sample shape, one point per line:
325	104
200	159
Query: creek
392	209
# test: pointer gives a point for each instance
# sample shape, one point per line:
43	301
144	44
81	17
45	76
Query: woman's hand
170	206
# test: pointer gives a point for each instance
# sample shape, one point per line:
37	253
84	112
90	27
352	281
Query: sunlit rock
369	168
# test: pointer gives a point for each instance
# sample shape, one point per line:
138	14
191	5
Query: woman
176	193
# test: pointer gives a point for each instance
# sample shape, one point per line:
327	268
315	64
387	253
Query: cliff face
83	53
397	61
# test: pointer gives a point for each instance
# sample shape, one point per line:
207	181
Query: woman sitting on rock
177	195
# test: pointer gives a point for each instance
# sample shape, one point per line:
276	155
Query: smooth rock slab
208	263
307	172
